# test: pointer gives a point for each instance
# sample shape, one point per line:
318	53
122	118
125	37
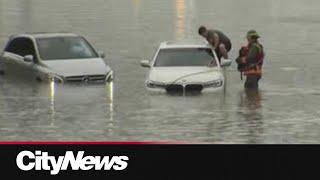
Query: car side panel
2	64
15	66
42	73
10	64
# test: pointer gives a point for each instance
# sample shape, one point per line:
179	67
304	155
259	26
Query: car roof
184	44
44	35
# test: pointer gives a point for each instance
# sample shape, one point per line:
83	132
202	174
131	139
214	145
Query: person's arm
216	40
223	51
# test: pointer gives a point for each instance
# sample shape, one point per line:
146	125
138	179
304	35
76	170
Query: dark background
179	161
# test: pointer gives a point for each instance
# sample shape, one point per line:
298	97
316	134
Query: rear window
185	57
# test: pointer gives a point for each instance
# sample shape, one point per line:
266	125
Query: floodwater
286	109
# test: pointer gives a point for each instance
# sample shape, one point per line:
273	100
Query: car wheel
2	72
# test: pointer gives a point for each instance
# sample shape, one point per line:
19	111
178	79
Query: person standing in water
250	60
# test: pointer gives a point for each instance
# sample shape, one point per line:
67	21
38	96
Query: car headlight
109	77
56	78
216	83
154	84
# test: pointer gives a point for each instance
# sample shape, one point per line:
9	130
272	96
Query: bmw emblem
85	79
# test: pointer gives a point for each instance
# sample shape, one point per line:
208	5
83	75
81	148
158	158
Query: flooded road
286	109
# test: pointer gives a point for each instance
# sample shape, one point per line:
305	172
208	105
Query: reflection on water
251	111
40	111
136	6
52	93
180	16
251	99
26	11
109	101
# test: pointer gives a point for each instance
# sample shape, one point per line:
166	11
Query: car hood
78	67
185	74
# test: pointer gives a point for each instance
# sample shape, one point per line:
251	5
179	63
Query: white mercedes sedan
184	67
61	57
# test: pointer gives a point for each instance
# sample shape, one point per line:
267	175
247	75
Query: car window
21	47
185	57
57	48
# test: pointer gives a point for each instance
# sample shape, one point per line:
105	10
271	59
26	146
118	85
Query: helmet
253	34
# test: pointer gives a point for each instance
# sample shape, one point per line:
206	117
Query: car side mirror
225	62
102	54
145	63
28	58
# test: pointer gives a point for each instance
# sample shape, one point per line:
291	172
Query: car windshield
185	57
57	48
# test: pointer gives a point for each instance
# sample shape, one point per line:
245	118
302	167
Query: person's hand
211	64
252	66
223	51
243	60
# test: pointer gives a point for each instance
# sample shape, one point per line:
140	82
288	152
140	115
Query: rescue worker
250	60
218	40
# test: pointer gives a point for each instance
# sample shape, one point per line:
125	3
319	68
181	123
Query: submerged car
184	67
61	57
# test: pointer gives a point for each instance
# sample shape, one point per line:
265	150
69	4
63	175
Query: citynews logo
39	161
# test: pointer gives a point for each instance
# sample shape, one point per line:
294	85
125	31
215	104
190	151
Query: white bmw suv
184	67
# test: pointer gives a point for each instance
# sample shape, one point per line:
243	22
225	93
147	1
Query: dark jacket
223	40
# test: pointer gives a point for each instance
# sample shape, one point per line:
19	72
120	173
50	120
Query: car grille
194	87
86	78
190	88
174	88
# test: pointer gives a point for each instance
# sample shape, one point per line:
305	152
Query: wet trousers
252	82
